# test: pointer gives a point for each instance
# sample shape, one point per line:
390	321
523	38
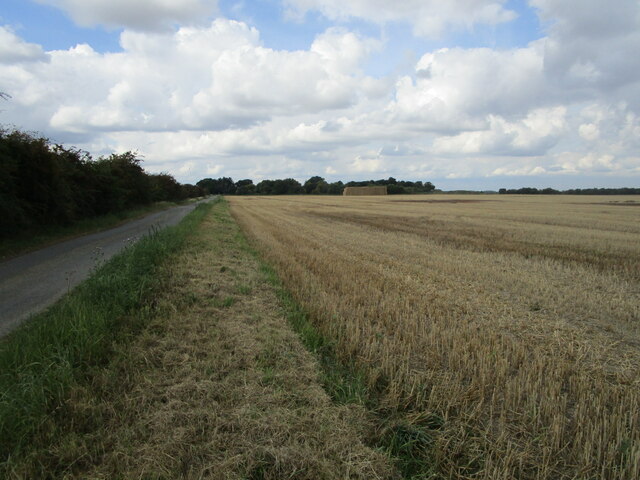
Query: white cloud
428	17
520	171
532	135
369	163
588	18
457	89
343	49
589	131
214	169
572	162
591	49
402	150
213	78
186	168
13	49
145	15
481	80
256	82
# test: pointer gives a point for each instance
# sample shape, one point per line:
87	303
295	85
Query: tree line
45	184
313	186
573	191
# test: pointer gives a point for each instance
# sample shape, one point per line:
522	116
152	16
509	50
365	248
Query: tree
335	188
265	187
166	188
311	184
395	189
428	187
322	188
220	186
227	187
207	184
315	185
129	181
245	187
288	186
192	191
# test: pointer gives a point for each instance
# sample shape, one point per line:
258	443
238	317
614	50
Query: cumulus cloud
533	135
213	78
590	49
259	82
520	171
455	89
371	163
428	17
481	80
589	131
146	15
571	162
15	50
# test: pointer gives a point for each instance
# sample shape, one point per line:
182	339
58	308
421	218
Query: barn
375	190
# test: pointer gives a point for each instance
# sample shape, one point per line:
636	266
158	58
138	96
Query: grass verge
42	360
45	236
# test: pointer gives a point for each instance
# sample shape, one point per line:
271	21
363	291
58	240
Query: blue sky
466	93
52	28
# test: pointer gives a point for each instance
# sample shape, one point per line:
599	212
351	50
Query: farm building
377	190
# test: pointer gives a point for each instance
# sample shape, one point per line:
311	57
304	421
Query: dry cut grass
515	319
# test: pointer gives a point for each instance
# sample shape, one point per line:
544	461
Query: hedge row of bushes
43	184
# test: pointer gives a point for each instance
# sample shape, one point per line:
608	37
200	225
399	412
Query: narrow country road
31	282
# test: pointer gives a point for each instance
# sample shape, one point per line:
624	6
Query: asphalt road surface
32	282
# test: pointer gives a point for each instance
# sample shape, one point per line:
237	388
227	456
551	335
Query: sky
467	94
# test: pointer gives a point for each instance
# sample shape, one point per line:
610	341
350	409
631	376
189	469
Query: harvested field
372	190
621	204
516	320
453	200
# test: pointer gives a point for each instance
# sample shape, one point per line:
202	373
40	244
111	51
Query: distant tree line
313	186
45	184
396	187
573	191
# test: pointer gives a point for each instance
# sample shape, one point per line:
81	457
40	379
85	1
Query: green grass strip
45	357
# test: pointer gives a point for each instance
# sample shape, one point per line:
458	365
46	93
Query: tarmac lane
34	281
